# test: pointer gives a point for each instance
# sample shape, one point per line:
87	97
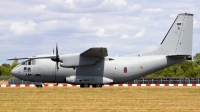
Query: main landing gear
84	85
88	85
39	84
97	85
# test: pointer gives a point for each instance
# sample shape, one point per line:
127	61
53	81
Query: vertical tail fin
178	40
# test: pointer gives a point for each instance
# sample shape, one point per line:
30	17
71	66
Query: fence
5	78
165	81
12	80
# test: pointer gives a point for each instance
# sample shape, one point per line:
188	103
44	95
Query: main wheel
39	86
81	86
97	85
94	85
84	85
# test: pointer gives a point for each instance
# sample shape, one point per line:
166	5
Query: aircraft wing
34	57
95	52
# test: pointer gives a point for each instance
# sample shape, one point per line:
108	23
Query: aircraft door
31	68
27	67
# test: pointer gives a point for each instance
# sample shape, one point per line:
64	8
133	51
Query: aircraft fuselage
118	70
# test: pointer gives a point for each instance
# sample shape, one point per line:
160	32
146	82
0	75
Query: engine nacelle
88	80
76	60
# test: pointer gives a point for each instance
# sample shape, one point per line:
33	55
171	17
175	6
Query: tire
38	86
97	85
94	85
86	85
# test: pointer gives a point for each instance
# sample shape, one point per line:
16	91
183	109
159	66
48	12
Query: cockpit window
28	62
24	63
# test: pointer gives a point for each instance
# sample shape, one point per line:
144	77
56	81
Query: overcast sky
33	27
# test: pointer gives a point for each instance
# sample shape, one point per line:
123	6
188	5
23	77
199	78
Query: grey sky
32	27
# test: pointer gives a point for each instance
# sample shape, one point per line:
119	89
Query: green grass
104	99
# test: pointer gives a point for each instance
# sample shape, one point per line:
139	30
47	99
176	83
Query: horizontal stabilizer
188	57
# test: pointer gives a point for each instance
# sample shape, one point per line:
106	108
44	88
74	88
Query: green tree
169	72
186	68
14	64
6	65
179	72
197	58
5	69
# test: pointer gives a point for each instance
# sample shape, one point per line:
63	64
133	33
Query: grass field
104	99
3	82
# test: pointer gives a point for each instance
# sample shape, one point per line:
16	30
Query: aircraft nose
14	72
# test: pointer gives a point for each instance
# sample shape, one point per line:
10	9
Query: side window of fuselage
125	70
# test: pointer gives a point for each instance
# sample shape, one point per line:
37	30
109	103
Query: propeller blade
57	51
53	51
57	66
57	56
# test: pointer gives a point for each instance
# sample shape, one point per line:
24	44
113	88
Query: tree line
187	68
5	69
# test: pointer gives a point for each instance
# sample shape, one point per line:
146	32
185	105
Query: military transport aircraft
94	67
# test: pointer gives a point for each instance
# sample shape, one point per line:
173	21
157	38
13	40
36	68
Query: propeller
56	59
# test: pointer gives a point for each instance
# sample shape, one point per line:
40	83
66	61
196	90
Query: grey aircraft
94	67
